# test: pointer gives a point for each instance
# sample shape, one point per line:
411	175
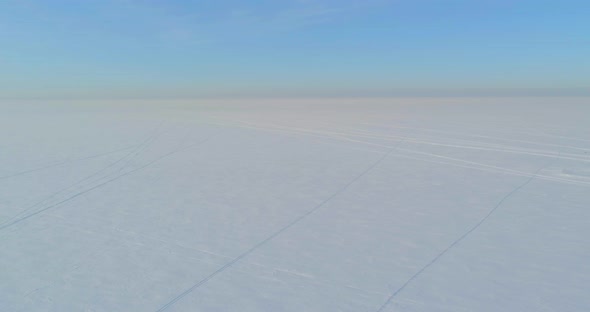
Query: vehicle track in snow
583	157
456	242
129	156
452	161
490	137
274	235
65	162
101	184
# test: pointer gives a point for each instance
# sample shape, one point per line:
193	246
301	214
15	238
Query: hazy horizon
294	48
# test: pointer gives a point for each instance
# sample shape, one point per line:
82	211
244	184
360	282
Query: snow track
352	205
91	183
456	242
275	234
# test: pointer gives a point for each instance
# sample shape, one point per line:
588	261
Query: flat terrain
295	205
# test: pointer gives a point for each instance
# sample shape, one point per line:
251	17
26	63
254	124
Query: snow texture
373	205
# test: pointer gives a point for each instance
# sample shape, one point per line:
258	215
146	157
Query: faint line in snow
6	225
485	147
471	164
494	148
457	241
275	234
129	157
492	137
64	162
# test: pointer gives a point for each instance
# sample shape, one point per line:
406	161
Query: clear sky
182	48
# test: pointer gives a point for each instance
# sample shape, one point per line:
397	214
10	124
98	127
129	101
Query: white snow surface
456	204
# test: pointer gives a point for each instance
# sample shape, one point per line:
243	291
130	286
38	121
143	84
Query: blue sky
133	48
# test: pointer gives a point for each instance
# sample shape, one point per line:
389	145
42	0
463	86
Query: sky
293	48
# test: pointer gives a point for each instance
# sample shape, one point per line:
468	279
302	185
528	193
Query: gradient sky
174	48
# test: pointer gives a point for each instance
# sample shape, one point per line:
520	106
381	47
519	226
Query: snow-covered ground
295	205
